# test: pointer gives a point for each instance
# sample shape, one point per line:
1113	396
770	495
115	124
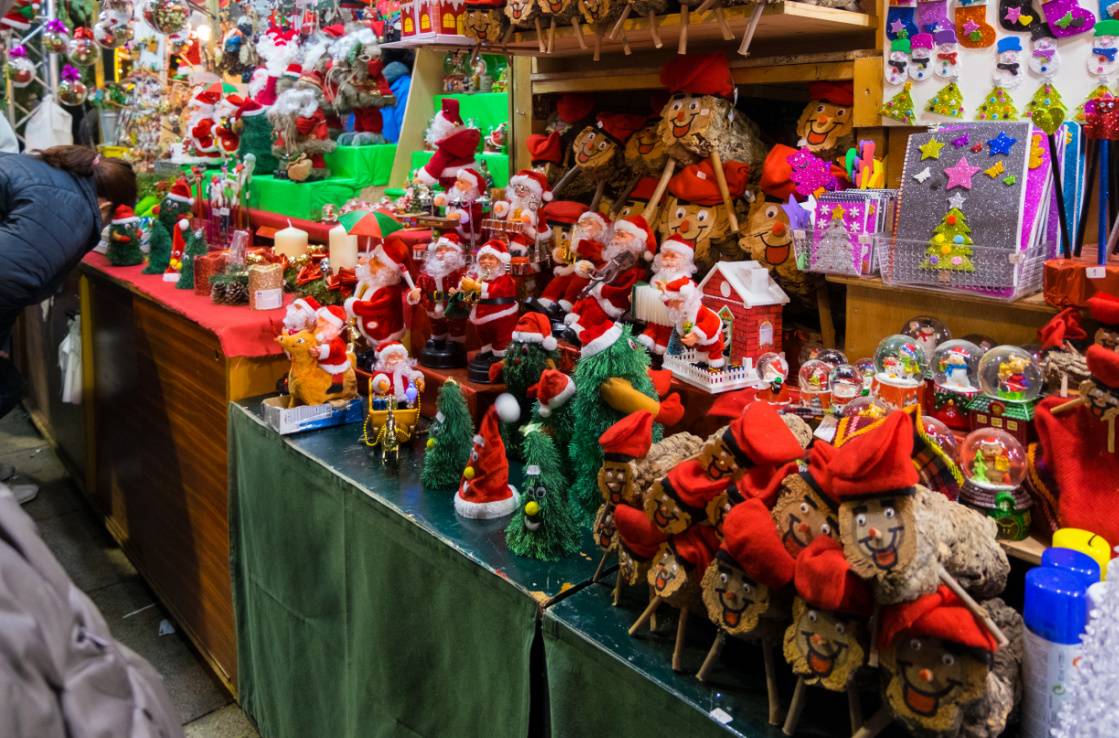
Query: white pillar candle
343	248
290	241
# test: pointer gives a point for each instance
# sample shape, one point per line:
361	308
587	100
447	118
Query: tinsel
449	440
556	533
1090	710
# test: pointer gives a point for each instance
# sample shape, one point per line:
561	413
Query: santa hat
702	74
546	149
495	247
335	30
817	475
644	189
306	304
473	176
446	240
1104	308
124	215
249	107
180	192
696	183
574	107
751	542
776	180
552	390
619	126
593	215
484	491
449	109
391	348
595	330
209	95
877	462
293	71
394	253
765	447
1064	326
682	247
535	181
696	546
941	615
535	328
637	226
629	438
1103	365
824	579
637	533
563	212
836	93
681	288
332	314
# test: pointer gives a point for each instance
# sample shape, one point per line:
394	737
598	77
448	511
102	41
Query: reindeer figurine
308	383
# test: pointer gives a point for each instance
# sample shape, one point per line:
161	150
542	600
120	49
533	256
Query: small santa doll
484	491
378	299
631	246
463	205
454	143
698	326
202	112
333	357
561	216
226	114
301	315
527	192
495	314
395	374
675	260
439	279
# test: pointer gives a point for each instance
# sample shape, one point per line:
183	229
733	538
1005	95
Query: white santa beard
440	129
578	235
488	275
529	202
686	313
615	248
299	321
667	275
383	277
440	266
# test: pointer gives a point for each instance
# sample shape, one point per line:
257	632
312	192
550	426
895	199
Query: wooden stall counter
161	367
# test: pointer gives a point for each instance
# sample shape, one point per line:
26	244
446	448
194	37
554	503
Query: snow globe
867	370
1010	382
994	464
815	384
929	332
900	366
955	372
846	384
939	433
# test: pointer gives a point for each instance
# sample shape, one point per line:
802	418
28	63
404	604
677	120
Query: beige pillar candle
290	241
343	248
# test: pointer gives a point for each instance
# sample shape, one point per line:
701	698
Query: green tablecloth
367	166
364	605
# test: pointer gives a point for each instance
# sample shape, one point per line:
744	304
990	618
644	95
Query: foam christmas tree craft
948	101
900	106
542	527
449	439
1048	98
997	105
124	238
950	247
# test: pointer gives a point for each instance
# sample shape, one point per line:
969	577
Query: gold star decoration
930	149
837	212
995	170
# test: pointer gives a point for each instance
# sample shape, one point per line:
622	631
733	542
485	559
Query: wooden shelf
1028	549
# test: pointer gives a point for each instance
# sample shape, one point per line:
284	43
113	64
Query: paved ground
95	563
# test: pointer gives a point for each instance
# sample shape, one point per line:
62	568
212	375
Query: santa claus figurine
201	111
631	246
226	115
333	356
674	261
527	192
301	315
561	216
494	315
438	282
378	299
396	377
484	491
463	205
698	326
454	143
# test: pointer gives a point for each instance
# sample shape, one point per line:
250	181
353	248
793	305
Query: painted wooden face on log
594	10
555	7
645	145
822	125
664	510
593	149
734	601
615	481
768	233
483	24
823	647
801	514
879	534
520	11
697	223
668	575
604	530
717	459
931	681
631	569
720	505
686	116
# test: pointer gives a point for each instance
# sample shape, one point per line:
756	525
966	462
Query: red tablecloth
240	330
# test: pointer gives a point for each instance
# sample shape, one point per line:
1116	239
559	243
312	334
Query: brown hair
113	178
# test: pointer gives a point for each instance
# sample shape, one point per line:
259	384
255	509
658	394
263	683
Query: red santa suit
587	249
562	214
704	323
494	316
452	153
313	127
380	309
434	296
331	351
401	377
656	336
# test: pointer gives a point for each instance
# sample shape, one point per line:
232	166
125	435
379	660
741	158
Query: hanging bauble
167	16
112	29
71	89
21	70
81	49
56	37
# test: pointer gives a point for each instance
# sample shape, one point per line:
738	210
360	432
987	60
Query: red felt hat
545	148
180	192
751	540
776	180
484	490
696	546
631	437
574	107
698	74
553	389
1104	308
688	483
644	189
496	247
461	144
124	214
449	108
636	532
563	212
639	227
679	288
876	462
535	181
763	482
594	328
696	183
819	458
938	615
1104	365
836	93
620	126
535	328
762	438
1064	326
824	579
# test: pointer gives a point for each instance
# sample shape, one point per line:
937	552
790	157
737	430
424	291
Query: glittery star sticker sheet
841	219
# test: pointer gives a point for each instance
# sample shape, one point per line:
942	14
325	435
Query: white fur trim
607	307
502	257
478	440
508	409
348	306
398	350
647	342
511	310
467	174
180	198
571	319
124	221
335	368
329	317
678	247
632	229
561	397
716	363
184	225
487	510
550	343
603	342
170	276
424	177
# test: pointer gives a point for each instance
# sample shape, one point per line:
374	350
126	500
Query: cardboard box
285	420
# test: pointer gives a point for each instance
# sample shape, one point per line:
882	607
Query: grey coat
61	672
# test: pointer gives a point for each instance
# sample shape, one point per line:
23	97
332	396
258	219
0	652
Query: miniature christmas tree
196	246
449	439
950	247
124	239
900	106
542	527
559	423
997	105
832	253
948	101
159	247
1047	97
1096	94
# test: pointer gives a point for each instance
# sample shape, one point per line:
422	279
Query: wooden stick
617	589
645	614
623	195
621	21
1064	407
712	655
579	33
539	35
721	19
872	656
878	722
1109	418
678	648
771	681
1062	223
599	189
795	707
653	616
657	43
721	180
662	185
748	37
682	45
597	56
564	180
625	44
854	708
976	609
508	35
552	36
601	566
706	5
